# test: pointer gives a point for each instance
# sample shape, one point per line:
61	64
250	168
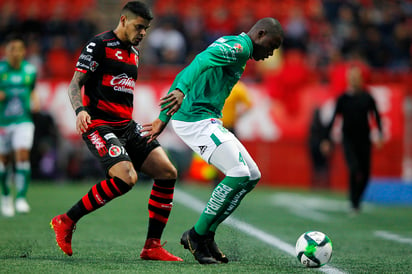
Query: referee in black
355	106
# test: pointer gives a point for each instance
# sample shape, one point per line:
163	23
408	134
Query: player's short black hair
138	8
13	37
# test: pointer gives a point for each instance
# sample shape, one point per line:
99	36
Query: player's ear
123	20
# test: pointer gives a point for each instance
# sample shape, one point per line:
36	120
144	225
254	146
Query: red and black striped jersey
108	93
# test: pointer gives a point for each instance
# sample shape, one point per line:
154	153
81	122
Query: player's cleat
7	208
22	206
197	246
215	250
153	250
63	229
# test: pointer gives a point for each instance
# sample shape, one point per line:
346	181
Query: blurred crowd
322	31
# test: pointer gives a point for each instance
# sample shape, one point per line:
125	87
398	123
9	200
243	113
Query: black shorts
112	145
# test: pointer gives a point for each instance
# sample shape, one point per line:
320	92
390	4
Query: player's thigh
158	166
5	141
228	158
111	153
204	136
22	136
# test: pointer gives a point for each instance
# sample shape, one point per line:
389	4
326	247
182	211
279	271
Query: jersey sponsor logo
202	149
85	57
98	143
120	82
90	46
109	136
115	151
113	44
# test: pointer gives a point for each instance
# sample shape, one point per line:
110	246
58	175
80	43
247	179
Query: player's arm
326	143
377	115
83	118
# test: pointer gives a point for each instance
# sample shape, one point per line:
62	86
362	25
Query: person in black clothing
355	106
107	68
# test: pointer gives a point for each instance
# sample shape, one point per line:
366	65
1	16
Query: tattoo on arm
75	89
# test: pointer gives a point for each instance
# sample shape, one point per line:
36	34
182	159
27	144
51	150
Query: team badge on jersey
238	47
115	151
93	65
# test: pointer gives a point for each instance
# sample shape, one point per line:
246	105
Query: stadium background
323	38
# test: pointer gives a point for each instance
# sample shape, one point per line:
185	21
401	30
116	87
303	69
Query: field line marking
392	236
197	205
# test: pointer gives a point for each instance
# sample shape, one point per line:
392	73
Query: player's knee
238	171
124	171
170	172
255	174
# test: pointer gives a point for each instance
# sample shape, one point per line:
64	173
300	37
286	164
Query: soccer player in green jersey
17	80
194	104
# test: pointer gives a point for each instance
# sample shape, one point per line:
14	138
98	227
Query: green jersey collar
248	41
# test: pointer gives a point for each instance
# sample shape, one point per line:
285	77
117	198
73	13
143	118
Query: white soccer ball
313	249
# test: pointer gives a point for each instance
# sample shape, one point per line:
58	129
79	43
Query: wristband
80	109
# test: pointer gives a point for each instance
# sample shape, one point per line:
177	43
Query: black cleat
215	250
197	247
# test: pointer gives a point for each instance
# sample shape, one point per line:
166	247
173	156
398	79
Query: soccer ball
313	249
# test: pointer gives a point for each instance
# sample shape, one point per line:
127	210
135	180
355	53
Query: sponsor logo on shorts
98	143
202	149
115	151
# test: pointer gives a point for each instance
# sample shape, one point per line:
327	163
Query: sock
233	204
98	196
160	205
219	202
5	189
23	173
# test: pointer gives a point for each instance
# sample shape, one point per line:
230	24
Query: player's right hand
153	130
83	120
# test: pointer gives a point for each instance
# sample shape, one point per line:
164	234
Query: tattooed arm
83	118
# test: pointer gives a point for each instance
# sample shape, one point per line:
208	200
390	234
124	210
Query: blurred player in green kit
194	105
17	81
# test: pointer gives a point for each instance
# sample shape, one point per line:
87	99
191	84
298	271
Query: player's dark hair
13	37
138	8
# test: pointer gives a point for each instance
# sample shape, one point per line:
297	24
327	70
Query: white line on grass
393	237
197	205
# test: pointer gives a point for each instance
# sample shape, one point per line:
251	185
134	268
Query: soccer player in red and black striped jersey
107	68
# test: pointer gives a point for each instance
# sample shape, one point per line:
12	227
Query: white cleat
7	208
22	206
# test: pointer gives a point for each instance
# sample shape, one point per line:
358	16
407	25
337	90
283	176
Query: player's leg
364	160
22	141
7	207
121	177
158	166
218	159
353	166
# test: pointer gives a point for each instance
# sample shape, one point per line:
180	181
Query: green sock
5	190
234	203
22	179
219	201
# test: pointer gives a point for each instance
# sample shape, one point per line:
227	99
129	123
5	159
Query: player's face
15	51
265	46
135	29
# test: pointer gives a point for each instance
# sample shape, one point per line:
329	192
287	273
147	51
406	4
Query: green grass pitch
110	239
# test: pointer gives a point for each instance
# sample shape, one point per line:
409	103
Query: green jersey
209	79
17	84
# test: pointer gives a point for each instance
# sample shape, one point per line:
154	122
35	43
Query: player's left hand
153	130
172	101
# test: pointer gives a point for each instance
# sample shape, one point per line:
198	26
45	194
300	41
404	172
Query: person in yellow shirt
237	104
